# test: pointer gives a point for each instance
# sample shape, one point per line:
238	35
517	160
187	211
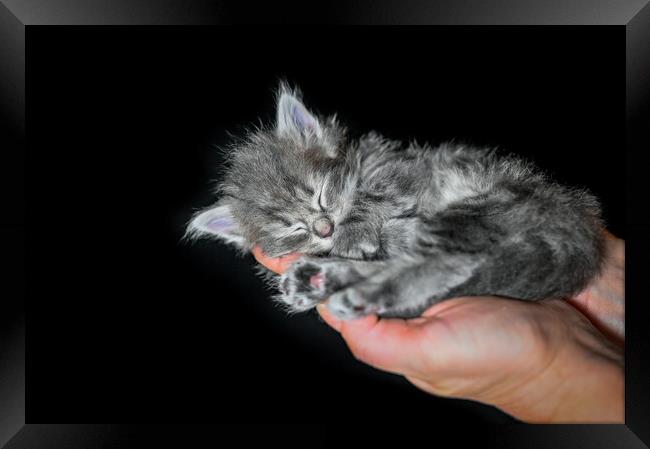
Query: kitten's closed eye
299	229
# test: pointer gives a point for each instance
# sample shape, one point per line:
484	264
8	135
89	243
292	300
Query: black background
128	324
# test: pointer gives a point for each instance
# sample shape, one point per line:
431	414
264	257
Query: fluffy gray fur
391	230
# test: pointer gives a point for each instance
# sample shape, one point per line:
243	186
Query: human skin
553	361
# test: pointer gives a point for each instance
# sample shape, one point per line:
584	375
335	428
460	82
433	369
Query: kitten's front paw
352	303
303	285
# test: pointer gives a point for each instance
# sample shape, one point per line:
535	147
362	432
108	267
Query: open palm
539	361
478	347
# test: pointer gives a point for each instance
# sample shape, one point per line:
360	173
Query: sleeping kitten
392	230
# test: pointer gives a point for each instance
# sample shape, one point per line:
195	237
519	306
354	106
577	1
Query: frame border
19	16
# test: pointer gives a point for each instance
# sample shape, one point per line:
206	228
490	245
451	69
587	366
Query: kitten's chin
311	250
301	251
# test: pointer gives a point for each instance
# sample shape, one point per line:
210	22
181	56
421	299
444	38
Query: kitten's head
286	188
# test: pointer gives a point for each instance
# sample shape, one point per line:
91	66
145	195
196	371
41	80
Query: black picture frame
16	20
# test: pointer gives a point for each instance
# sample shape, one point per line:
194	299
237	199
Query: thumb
277	264
393	345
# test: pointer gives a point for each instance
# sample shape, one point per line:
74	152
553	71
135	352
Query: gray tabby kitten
392	230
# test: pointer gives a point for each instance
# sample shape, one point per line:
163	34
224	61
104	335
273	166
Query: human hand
277	264
540	362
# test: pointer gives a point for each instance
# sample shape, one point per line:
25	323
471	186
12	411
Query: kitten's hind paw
352	303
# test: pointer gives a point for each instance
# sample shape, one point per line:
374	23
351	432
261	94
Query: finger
276	264
608	235
356	333
422	385
330	319
284	262
393	345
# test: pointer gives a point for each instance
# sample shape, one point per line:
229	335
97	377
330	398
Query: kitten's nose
323	227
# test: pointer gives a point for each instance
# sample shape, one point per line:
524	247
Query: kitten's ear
295	120
217	221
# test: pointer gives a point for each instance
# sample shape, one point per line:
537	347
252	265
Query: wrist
577	377
595	396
